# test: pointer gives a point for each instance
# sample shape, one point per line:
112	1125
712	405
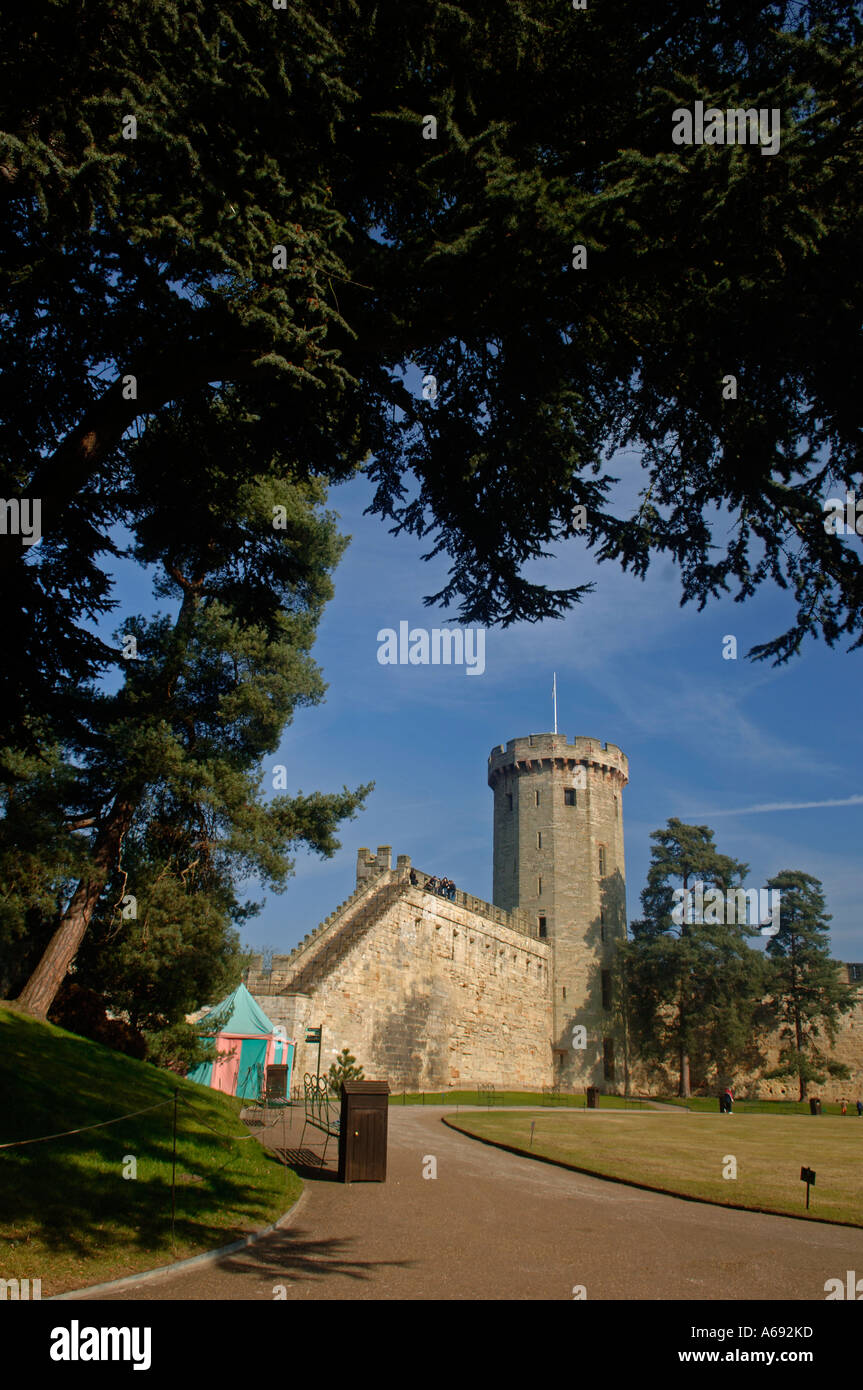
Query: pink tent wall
225	1068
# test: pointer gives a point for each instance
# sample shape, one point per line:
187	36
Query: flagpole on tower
554	697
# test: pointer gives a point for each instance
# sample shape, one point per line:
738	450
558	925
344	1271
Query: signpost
313	1035
807	1175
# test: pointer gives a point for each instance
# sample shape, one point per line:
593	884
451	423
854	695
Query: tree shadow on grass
75	1200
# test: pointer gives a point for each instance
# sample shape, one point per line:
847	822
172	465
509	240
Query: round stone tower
558	853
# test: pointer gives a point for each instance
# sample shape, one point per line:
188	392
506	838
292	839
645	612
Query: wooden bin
363	1131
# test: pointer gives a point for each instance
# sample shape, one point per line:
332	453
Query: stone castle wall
427	994
847	1048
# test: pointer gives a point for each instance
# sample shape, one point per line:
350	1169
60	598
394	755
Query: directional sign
807	1175
313	1035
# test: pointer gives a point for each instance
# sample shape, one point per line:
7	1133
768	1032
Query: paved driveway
492	1225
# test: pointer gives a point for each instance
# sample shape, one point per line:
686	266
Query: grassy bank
68	1215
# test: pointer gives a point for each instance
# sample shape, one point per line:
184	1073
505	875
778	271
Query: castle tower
558	853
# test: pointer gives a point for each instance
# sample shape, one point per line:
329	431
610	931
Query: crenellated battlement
531	753
370	865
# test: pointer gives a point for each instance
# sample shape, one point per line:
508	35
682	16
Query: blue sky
706	738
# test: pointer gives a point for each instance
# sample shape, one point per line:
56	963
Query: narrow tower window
539	887
539	839
602	861
569	796
542	928
536	798
608	1058
602	924
564	991
509	801
606	989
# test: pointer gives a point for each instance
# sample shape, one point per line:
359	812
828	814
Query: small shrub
344	1068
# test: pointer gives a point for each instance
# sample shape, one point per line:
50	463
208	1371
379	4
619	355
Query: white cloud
785	806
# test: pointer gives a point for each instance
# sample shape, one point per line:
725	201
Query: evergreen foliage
167	782
302	128
808	997
344	1068
693	989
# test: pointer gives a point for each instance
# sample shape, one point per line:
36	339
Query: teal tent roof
242	1016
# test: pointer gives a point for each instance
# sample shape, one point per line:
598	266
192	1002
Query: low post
174	1171
807	1175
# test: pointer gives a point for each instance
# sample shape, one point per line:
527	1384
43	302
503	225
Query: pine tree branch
77	459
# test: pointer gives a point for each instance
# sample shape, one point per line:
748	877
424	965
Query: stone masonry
427	993
558	854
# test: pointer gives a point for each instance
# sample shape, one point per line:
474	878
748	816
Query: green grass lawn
503	1098
67	1214
710	1105
686	1152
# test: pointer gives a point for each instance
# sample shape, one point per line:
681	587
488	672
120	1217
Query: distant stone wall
848	1048
431	996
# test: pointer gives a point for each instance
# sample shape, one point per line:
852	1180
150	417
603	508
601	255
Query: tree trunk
40	990
684	1089
798	1027
684	1085
798	1031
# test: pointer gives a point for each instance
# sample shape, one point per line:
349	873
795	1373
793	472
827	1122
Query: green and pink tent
247	1042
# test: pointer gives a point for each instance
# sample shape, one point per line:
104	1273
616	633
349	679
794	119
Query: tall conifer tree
693	983
808	995
173	759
